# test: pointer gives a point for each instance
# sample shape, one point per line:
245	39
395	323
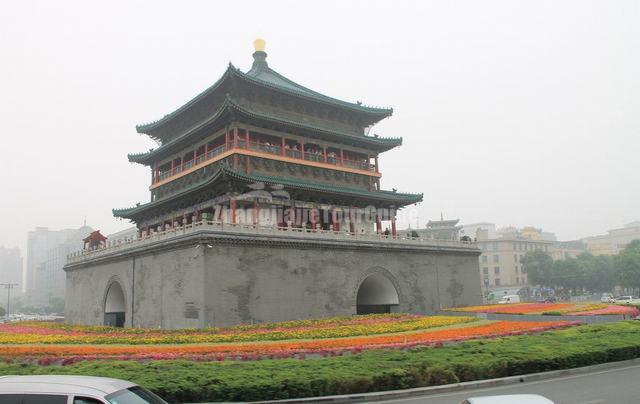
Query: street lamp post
8	286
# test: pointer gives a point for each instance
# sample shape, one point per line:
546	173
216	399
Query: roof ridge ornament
259	56
259	45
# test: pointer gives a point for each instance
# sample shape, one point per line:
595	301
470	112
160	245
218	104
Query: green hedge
184	381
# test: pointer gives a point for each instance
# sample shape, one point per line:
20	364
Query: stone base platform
213	276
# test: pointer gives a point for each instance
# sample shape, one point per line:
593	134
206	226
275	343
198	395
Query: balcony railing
360	165
266	148
296	154
218	150
270	149
317	157
246	229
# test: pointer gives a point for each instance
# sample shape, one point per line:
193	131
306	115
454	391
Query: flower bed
337	327
67	354
570	309
629	311
514	308
181	381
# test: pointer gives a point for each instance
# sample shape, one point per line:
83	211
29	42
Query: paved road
610	386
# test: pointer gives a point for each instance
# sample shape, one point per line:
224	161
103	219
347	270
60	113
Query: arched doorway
376	295
114	306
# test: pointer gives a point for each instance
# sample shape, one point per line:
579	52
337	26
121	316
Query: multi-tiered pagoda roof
261	127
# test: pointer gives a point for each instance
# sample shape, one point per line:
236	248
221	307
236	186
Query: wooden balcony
268	151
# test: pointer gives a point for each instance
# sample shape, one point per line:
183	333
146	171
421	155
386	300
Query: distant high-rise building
614	241
10	272
503	251
46	255
502	255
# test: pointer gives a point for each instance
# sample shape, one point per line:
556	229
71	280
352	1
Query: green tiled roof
383	143
398	198
391	196
262	75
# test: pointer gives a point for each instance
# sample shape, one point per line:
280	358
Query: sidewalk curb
426	391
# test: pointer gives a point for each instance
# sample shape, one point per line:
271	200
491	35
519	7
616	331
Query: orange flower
515	308
281	349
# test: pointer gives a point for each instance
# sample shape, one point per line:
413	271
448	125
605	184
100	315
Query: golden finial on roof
259	45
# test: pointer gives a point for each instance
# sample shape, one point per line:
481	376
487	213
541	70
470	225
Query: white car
624	299
59	389
607	298
509	399
509	299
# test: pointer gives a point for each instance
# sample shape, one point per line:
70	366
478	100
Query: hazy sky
518	113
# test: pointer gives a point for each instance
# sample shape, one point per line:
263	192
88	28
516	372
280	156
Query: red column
292	214
376	159
235	146
232	204
247	138
172	165
302	149
393	227
378	224
335	221
256	212
324	152
282	146
341	157
226	140
352	226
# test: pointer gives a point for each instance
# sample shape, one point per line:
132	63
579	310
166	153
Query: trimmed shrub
185	381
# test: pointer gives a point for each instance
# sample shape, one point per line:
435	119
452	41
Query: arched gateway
376	294
114	306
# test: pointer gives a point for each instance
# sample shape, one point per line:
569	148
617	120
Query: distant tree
538	266
3	312
600	274
569	274
627	265
466	239
584	273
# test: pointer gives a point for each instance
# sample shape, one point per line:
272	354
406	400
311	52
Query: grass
186	381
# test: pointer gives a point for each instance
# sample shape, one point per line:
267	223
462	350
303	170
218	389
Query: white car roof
61	384
511	399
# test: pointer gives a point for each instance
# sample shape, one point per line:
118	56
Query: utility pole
8	286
